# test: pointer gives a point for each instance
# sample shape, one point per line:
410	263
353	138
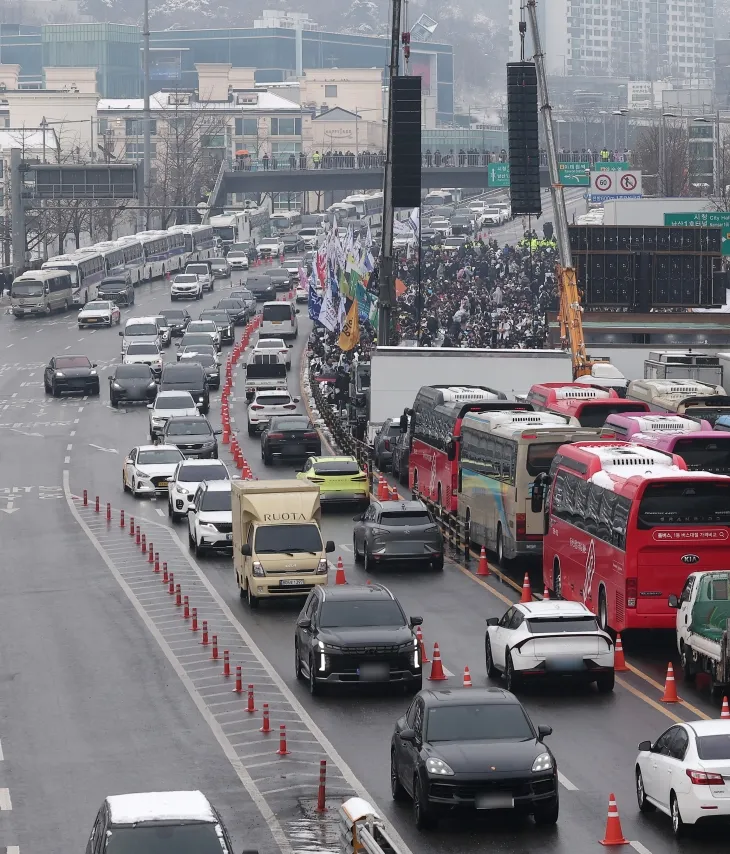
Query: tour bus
41	292
684	397
435	426
624	527
501	455
585	406
626	425
86	270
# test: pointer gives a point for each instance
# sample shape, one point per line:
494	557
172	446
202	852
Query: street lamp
625	113
662	157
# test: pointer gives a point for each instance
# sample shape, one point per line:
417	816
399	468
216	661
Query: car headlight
92	373
257	569
438	767
60	374
182	490
116	385
544	762
200	400
328	647
322	566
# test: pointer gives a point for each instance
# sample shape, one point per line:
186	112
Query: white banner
328	312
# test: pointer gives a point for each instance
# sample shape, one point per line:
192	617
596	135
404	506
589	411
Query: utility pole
386	291
17	212
146	110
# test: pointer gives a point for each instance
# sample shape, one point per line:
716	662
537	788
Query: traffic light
524	147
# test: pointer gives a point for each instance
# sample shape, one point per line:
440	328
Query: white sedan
99	313
272	345
238	259
685	773
549	638
148	469
184	483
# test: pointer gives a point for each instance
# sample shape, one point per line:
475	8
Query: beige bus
691	398
502	453
41	292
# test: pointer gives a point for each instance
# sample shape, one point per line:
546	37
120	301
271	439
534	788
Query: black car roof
472	696
354	592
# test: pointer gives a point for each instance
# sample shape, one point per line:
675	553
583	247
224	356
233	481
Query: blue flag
314	301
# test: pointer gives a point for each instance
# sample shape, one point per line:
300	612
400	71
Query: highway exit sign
498	174
704	219
575	174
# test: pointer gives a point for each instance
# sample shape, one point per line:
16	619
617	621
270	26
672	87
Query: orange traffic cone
670	687
437	668
394	493
424	655
526	590
382	488
467	678
725	712
545	594
619	662
340	574
483	568
614	834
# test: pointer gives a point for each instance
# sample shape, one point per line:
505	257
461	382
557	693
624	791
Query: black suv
177	319
117	289
401	456
352	634
192	378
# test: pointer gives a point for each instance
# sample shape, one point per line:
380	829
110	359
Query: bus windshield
70	269
225	232
708	454
595	414
27	289
685	502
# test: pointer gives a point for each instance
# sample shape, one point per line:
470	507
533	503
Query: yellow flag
350	335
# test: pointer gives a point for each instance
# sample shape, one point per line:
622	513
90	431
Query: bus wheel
501	559
438	496
557	580
467	532
602	610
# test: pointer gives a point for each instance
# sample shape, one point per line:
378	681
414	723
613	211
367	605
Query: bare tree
671	171
183	166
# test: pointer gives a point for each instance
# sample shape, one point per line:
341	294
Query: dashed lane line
5	802
637	846
565	782
1	752
277	803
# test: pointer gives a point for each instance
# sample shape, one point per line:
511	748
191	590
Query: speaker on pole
524	146
406	120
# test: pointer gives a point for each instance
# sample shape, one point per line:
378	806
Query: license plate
374	672
276	322
498	801
229	537
291	582
90	319
163	483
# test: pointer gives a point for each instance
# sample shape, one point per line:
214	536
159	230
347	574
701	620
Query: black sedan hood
366	636
76	372
495	757
133	383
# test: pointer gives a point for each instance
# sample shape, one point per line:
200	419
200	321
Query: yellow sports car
340	479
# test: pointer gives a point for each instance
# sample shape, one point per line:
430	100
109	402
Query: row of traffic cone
386	492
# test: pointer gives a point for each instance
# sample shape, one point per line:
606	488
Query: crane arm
570	317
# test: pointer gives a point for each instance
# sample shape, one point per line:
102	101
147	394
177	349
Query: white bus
199	242
86	270
156	248
502	452
230	227
285	220
368	207
115	261
41	292
683	397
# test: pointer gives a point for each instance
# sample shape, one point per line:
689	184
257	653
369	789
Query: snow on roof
160	806
159	102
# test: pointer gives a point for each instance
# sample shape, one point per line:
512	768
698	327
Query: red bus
435	426
584	405
625	526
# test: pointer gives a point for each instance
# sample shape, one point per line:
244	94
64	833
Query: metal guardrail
362	830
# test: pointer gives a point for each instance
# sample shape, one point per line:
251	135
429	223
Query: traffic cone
382	488
340	574
526	590
437	668
614	834
467	678
424	655
545	594
483	568
670	687
394	493
619	662
725	712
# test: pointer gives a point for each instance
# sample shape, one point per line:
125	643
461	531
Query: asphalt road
106	689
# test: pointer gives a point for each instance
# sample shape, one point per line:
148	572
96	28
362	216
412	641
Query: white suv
270	247
186	479
210	519
186	286
265	405
170	404
202	270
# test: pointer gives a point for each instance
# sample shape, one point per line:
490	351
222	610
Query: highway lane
88	706
594	737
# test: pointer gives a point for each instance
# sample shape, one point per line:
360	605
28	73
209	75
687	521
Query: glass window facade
286	127
246	127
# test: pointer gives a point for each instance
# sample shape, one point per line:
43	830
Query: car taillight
632	590
312	435
255	406
386	444
521	519
317	479
704	778
276	435
359	478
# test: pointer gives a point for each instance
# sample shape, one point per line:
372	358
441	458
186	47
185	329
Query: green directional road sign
611	166
704	219
575	174
498	174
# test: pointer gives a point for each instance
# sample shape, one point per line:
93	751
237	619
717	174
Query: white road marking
160	512
2	756
5	802
106	450
565	782
637	846
345	548
12	849
69	447
72	433
14	394
66	460
81	408
10	345
76	420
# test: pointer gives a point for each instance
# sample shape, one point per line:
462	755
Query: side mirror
415	621
217	432
290	346
150	406
544	731
329	546
93	364
198	406
451	450
536	499
121	334
493	621
246	550
673	602
304	623
407	735
358	518
404	423
296	399
644	745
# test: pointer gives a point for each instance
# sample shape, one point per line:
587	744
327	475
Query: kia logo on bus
690	559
